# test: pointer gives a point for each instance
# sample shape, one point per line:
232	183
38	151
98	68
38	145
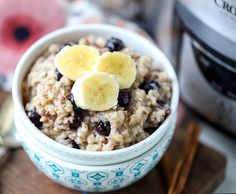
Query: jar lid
213	22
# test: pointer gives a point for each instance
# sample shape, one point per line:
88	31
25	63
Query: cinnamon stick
184	164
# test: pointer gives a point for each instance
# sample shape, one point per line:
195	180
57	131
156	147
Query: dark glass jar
206	58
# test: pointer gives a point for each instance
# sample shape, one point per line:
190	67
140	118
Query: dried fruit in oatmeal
103	128
114	44
35	118
75	145
76	109
124	98
76	122
58	75
149	85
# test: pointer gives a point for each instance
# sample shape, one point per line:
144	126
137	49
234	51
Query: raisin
76	109
76	122
164	105
75	145
124	98
167	111
150	130
114	44
66	44
58	75
149	85
35	118
71	99
103	128
161	103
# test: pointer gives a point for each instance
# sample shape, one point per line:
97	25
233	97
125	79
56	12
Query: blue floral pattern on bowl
103	178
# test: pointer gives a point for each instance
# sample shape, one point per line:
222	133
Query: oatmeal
138	108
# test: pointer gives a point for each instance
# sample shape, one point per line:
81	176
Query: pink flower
22	23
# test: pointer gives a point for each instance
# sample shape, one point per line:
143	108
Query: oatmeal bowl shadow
91	162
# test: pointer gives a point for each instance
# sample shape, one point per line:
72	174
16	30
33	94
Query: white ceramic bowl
70	156
91	177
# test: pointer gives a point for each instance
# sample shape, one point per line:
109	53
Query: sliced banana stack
97	78
75	61
96	91
121	65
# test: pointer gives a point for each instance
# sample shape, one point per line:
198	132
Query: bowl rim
17	98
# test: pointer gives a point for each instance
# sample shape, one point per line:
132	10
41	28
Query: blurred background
24	22
198	37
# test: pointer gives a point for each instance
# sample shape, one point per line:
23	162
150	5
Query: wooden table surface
19	176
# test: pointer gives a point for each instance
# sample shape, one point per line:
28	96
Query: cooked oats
49	98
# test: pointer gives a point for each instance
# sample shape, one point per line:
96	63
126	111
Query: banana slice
76	61
121	65
96	91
